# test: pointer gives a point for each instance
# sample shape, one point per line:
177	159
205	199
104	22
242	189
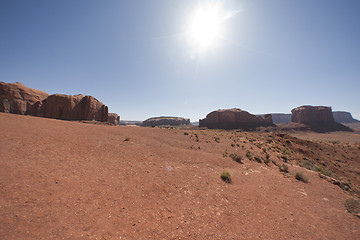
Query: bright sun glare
205	27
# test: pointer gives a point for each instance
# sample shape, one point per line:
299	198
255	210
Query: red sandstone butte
234	119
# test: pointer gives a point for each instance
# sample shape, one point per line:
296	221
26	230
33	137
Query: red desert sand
71	180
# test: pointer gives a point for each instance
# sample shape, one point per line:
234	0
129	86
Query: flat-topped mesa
318	118
312	114
344	117
234	119
19	99
173	121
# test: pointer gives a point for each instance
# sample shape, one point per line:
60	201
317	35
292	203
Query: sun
205	27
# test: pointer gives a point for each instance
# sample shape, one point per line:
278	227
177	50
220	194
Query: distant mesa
339	116
172	121
318	118
131	123
344	117
235	119
19	99
306	114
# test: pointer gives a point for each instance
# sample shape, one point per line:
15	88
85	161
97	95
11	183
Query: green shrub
352	205
301	177
186	133
226	176
236	157
284	168
217	139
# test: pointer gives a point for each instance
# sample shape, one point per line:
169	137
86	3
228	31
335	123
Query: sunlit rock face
172	121
318	118
234	119
310	114
19	99
78	107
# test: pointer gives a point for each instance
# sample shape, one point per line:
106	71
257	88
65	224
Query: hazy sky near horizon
137	56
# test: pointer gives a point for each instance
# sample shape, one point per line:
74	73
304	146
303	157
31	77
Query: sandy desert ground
71	180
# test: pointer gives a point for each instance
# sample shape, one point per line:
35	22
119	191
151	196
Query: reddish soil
71	180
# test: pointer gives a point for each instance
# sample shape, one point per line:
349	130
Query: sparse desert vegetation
163	165
226	176
301	177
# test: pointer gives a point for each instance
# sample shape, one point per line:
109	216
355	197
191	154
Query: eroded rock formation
173	121
19	99
234	119
114	119
318	118
78	107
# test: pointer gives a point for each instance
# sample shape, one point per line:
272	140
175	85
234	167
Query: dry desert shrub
225	176
352	205
248	154
236	157
300	176
284	168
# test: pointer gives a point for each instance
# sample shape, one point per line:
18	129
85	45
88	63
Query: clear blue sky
136	57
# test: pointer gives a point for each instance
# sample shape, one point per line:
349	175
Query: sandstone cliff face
78	107
173	121
234	119
310	114
318	118
114	119
16	98
19	99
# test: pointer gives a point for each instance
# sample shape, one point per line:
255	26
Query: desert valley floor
72	180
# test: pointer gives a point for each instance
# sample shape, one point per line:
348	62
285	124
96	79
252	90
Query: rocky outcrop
16	98
311	114
344	117
173	121
318	118
113	119
19	99
234	119
78	107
